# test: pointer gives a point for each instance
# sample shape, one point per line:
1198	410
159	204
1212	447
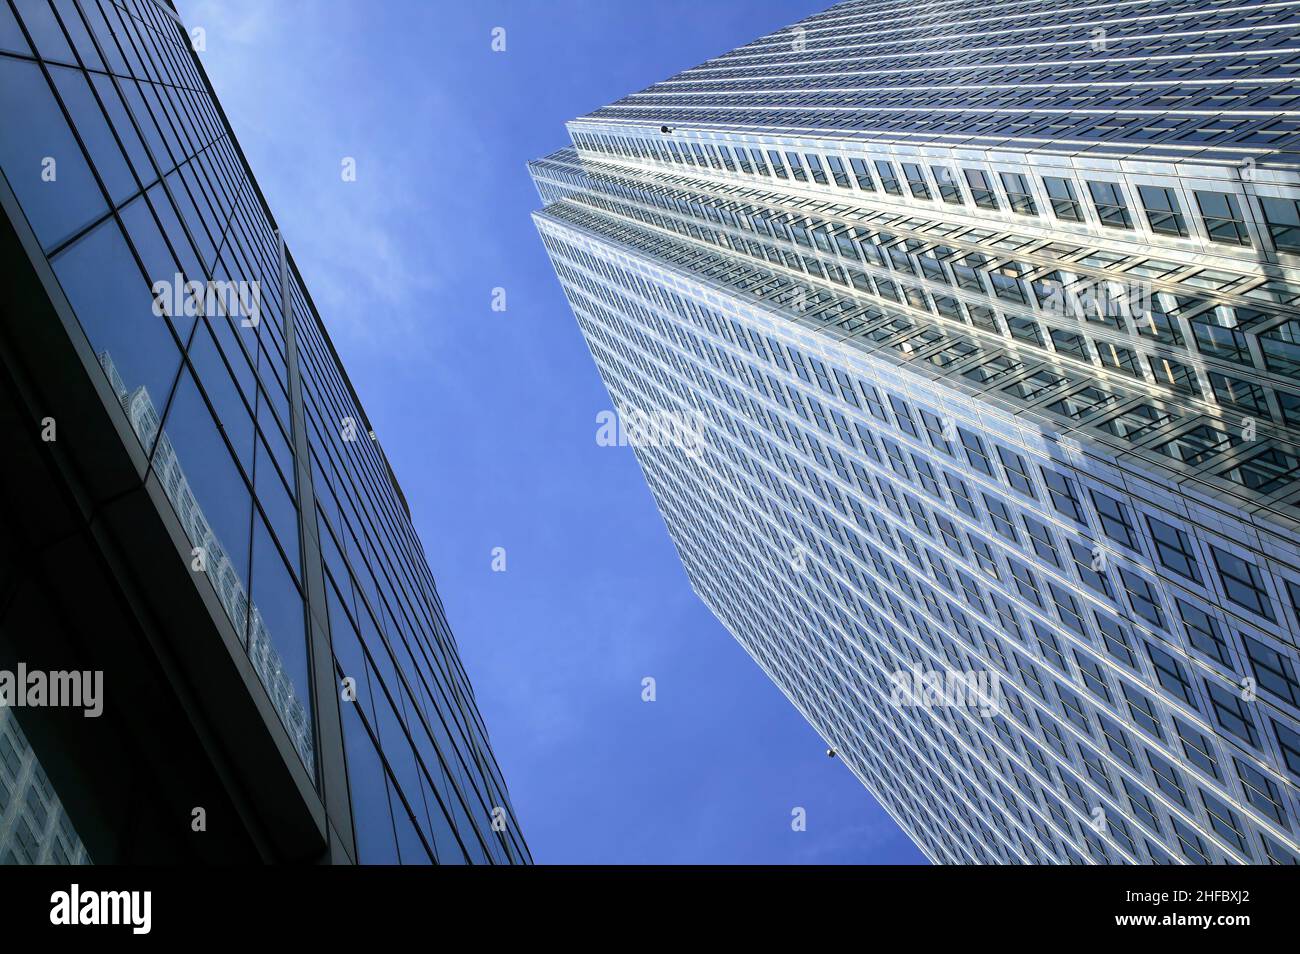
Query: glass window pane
95	133
208	495
41	158
114	306
277	640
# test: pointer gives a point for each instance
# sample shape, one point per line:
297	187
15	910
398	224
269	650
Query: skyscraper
982	319
197	509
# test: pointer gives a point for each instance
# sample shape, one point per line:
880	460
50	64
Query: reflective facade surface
985	317
134	201
34	828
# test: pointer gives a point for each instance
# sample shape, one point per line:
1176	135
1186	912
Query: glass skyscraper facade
196	504
985	318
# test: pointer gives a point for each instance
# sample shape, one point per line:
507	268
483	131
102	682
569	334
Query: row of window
1220	212
971	271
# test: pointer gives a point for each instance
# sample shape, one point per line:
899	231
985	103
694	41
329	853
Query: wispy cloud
376	253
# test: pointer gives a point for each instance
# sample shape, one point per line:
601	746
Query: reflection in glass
221	569
34	828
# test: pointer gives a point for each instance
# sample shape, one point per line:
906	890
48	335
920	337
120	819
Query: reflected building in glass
34	828
988	319
198	505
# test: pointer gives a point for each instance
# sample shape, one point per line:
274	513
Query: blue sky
490	418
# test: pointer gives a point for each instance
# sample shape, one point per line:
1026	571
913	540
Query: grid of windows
930	441
963	74
1064	310
622	349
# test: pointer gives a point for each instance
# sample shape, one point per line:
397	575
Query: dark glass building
198	518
